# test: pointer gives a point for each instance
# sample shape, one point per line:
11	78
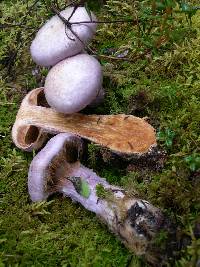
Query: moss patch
162	85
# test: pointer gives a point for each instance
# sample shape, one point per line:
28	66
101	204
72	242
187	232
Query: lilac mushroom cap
54	42
57	159
73	83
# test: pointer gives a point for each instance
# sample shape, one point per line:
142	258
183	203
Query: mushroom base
136	222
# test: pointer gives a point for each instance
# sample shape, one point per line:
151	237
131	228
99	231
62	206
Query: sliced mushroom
27	136
57	168
55	42
73	83
123	134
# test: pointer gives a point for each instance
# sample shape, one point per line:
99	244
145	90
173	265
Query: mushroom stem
92	179
123	134
135	221
56	168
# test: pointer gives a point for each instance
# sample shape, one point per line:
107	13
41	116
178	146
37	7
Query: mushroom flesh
125	135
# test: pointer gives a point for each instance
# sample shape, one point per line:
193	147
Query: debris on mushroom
123	134
73	83
55	42
56	168
99	99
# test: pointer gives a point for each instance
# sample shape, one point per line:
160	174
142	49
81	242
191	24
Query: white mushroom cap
73	83
51	43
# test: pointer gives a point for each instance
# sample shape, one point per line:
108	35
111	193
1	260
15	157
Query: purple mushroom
57	168
54	42
74	83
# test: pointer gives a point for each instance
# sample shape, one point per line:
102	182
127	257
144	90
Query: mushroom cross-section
123	134
57	168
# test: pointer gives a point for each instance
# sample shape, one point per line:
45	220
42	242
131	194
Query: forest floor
160	82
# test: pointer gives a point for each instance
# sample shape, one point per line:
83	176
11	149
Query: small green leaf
193	166
185	7
85	189
166	136
193	162
168	142
80	185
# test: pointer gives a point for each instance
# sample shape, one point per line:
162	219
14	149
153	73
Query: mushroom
73	83
29	137
56	168
55	42
123	134
60	153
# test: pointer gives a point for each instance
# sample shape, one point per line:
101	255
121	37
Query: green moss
164	86
100	191
104	193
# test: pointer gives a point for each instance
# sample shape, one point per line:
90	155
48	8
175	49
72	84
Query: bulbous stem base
134	221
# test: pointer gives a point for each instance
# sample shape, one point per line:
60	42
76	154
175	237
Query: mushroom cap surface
73	83
52	42
60	149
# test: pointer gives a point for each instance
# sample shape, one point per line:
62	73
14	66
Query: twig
115	58
28	12
19	36
107	22
73	11
69	26
4	26
5	104
125	58
14	56
76	3
64	20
